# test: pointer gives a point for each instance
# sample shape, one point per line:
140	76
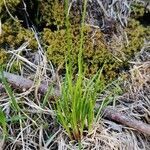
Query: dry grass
108	135
35	126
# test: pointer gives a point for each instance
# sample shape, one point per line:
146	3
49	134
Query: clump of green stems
75	107
13	104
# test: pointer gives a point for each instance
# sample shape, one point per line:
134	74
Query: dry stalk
22	84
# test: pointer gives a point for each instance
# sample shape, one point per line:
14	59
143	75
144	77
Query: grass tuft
75	108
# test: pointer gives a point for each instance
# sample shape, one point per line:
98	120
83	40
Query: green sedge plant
3	123
9	91
13	104
75	107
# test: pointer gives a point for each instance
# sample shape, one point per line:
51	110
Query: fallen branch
22	83
112	114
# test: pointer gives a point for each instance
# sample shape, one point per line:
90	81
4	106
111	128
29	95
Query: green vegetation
15	107
2	56
3	123
9	91
51	22
95	49
12	37
86	59
137	10
75	108
10	4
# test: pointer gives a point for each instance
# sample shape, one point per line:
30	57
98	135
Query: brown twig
109	113
23	84
112	114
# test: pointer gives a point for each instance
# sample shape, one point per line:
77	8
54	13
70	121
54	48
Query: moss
137	9
94	55
52	13
11	6
50	16
9	3
13	35
2	56
136	35
96	51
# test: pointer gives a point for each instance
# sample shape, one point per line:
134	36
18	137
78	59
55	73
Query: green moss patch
49	16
